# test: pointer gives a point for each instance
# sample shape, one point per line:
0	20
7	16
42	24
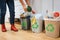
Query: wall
37	5
56	5
47	7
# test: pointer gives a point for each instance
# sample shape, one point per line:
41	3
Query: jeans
0	12
10	4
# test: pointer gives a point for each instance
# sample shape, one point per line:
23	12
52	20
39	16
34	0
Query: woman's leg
12	14
3	12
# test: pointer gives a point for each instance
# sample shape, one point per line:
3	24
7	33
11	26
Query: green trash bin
25	22
25	19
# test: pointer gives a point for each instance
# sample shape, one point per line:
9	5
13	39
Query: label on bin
35	26
50	28
34	23
24	23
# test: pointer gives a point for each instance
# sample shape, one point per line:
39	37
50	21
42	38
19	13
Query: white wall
47	6
56	5
37	5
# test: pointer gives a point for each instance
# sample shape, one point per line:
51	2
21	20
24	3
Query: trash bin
26	23
36	23
52	27
25	19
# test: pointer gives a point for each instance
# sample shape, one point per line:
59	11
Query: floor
23	35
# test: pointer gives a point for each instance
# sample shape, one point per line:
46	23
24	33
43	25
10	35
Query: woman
10	4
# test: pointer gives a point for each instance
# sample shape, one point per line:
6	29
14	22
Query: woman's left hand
33	11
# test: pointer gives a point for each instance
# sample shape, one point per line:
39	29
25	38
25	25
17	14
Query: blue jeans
0	12
10	4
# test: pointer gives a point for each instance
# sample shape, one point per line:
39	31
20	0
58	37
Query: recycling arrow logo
50	28
24	23
35	25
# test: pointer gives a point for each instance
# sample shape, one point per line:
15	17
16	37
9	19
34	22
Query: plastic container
52	27
26	23
36	23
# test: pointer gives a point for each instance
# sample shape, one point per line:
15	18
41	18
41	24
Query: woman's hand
33	11
25	9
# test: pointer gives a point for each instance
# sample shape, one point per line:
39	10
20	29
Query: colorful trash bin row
35	22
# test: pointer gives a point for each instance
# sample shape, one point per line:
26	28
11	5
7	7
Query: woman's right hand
33	11
25	9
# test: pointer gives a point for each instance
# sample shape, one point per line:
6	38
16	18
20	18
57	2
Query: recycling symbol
24	23
50	27
35	25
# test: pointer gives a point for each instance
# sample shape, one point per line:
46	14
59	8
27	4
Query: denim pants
0	15
0	12
10	4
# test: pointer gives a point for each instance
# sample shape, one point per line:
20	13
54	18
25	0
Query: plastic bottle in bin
25	19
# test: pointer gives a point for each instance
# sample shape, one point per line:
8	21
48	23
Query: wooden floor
23	35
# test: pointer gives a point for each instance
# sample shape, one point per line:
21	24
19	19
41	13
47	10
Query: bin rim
25	17
51	19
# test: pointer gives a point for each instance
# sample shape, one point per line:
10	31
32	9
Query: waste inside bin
52	27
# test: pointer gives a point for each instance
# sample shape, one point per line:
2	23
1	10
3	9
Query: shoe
3	28
13	28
